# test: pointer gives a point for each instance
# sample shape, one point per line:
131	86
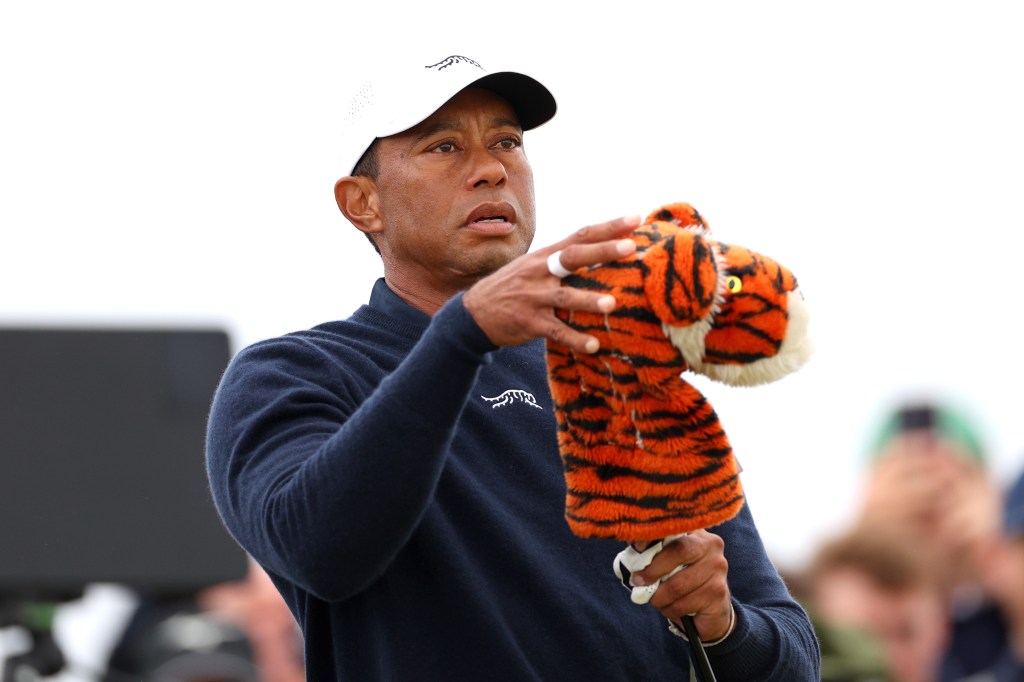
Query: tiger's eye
733	284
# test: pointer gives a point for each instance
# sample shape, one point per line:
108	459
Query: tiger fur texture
644	453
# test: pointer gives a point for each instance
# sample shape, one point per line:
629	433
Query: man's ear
357	198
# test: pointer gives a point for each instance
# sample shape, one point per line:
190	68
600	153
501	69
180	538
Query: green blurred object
849	655
948	422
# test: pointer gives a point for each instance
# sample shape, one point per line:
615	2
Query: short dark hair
367	166
367	163
887	558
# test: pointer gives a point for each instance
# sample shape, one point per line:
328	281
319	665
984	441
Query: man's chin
485	261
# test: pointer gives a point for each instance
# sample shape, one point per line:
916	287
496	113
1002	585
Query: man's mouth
492	217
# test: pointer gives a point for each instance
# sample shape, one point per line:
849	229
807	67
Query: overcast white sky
173	163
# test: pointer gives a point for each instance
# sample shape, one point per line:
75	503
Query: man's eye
445	147
509	142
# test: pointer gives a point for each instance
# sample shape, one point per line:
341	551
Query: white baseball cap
405	94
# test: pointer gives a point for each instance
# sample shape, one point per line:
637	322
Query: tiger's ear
680	213
681	278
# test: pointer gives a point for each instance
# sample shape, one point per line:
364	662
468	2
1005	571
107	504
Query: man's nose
485	168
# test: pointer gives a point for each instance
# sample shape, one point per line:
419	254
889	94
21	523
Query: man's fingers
583	255
600	232
686	549
590	245
568	298
580	343
609	229
517	302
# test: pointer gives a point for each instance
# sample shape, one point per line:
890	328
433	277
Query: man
879	586
397	473
928	478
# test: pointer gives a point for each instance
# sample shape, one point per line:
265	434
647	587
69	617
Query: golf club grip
697	649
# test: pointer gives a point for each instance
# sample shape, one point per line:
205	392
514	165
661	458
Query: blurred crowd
924	584
236	631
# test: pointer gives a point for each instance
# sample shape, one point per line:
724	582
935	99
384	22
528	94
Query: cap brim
532	101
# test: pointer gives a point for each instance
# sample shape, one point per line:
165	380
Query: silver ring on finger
555	266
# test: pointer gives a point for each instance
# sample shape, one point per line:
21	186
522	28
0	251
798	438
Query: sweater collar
382	298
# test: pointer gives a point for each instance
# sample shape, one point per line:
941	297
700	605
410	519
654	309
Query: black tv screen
102	477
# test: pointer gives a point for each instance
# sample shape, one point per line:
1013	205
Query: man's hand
517	303
701	588
939	496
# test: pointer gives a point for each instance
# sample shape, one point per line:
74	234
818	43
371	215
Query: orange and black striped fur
644	453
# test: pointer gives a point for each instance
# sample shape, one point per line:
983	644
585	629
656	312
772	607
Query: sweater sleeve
320	482
773	638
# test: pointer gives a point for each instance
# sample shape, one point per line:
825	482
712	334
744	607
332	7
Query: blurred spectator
848	654
929	481
873	595
1006	581
257	608
232	632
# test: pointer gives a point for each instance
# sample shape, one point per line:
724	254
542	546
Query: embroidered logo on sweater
513	395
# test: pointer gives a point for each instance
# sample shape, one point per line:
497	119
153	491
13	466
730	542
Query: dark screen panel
101	444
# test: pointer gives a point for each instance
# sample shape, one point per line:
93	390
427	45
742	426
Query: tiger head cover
644	453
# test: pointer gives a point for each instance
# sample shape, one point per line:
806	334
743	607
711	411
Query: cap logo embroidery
513	395
453	59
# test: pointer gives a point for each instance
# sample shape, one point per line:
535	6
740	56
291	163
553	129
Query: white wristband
675	630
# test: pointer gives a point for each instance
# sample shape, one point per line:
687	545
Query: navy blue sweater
398	477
